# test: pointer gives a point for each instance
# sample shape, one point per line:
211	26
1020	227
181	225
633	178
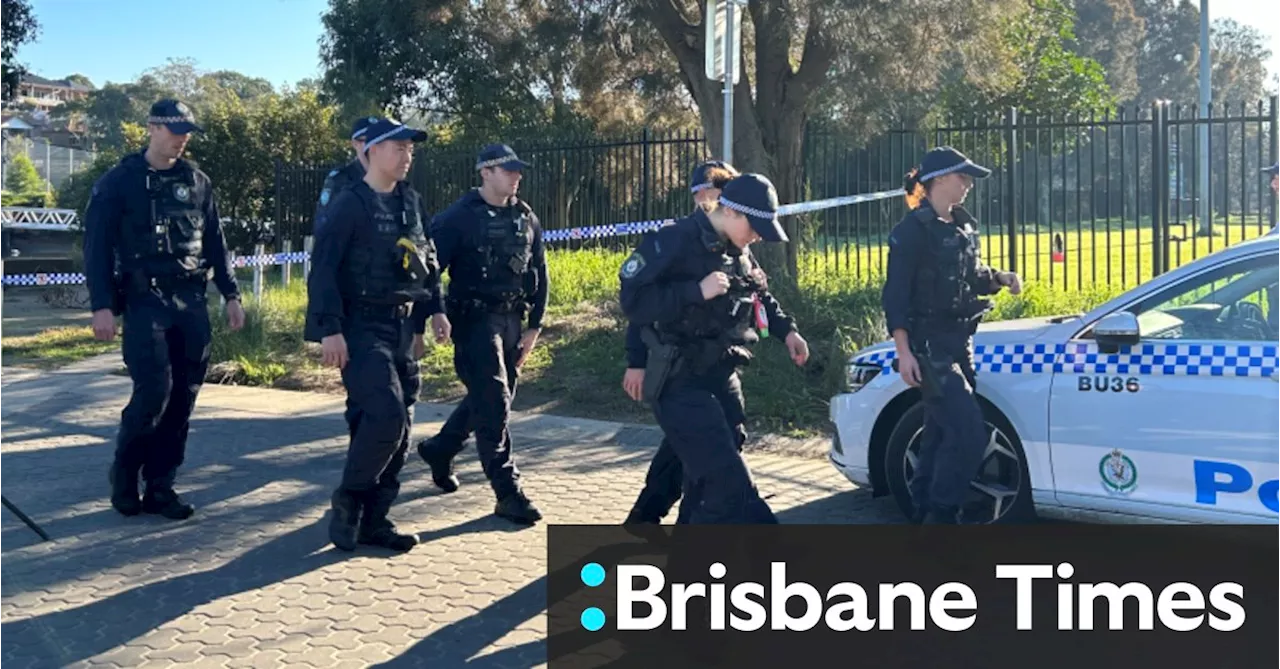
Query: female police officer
686	284
932	303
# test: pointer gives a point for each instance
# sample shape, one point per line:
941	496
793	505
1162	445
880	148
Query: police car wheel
1001	491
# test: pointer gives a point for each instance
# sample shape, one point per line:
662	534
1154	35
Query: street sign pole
728	82
721	52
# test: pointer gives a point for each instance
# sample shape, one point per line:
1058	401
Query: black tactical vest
174	226
726	319
376	270
505	250
945	277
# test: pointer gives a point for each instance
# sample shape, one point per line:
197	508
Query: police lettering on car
491	243
152	234
374	282
933	299
664	482
690	287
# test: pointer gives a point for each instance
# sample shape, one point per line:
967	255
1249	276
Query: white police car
1161	405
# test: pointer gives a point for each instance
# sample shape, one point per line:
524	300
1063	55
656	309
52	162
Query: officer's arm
433	303
647	295
904	252
215	250
332	235
447	234
327	192
538	265
101	227
637	352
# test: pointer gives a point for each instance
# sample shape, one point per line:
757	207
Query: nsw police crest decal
633	265
182	193
1118	472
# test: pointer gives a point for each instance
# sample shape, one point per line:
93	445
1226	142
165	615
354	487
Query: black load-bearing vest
375	271
505	252
946	277
173	227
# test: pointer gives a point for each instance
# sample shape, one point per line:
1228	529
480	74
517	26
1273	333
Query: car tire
1015	507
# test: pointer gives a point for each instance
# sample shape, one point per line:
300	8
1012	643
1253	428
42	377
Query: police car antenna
4	500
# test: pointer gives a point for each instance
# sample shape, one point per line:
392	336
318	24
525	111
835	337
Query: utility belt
466	306
381	310
669	358
135	283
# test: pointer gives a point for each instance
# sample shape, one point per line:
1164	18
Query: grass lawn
53	347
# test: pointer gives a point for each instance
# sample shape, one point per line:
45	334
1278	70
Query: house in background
47	94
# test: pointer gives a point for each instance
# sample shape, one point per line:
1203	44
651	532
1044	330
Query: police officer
350	174
665	478
491	243
152	233
933	299
374	282
689	286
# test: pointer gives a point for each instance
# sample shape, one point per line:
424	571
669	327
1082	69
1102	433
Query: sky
277	40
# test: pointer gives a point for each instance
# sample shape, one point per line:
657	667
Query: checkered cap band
750	211
494	162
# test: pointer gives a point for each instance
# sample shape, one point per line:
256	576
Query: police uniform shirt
662	278
909	249
459	232
334	234
120	205
336	181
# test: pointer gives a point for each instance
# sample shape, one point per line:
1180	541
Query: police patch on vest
324	196
182	193
633	265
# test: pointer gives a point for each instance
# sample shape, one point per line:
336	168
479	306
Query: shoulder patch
633	265
324	196
333	173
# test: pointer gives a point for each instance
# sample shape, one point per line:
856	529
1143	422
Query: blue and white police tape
71	278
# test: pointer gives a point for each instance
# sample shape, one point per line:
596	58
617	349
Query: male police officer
374	281
152	233
665	479
933	301
691	281
491	243
352	173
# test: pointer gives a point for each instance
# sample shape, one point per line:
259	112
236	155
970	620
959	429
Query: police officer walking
350	174
152	233
933	299
690	287
374	282
665	479
491	243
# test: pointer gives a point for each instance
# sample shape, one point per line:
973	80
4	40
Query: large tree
19	27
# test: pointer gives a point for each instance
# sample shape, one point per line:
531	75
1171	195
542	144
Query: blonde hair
915	191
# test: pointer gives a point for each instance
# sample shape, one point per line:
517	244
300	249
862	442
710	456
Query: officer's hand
442	328
419	346
909	369
761	278
104	325
633	383
714	285
235	315
1012	280
527	341
798	347
334	348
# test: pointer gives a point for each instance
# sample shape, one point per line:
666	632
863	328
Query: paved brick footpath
251	580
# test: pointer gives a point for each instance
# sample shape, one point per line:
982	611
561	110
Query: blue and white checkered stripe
1172	359
596	231
54	279
270	259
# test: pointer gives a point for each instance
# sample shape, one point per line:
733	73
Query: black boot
378	530
124	489
943	515
344	521
517	508
441	464
161	499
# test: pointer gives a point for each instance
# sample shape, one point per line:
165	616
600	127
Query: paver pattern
251	580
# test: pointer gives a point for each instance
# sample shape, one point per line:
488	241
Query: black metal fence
1072	202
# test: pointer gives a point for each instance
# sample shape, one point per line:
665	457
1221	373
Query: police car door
1183	425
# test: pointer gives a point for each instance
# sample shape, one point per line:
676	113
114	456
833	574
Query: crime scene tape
588	232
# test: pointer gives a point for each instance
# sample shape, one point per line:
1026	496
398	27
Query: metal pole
1206	98
728	81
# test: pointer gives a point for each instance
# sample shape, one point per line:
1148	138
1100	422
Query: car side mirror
1116	330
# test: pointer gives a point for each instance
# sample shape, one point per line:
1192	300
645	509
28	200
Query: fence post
1011	185
644	177
307	243
1275	154
259	250
1158	176
287	248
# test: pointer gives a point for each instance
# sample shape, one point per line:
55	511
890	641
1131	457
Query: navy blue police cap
754	196
700	179
1273	170
361	125
174	115
946	160
500	155
387	130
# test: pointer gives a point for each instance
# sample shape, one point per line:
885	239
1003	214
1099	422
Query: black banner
1060	595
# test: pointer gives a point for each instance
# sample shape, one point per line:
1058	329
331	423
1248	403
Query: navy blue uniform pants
665	481
165	344
955	436
382	384
702	433
486	348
